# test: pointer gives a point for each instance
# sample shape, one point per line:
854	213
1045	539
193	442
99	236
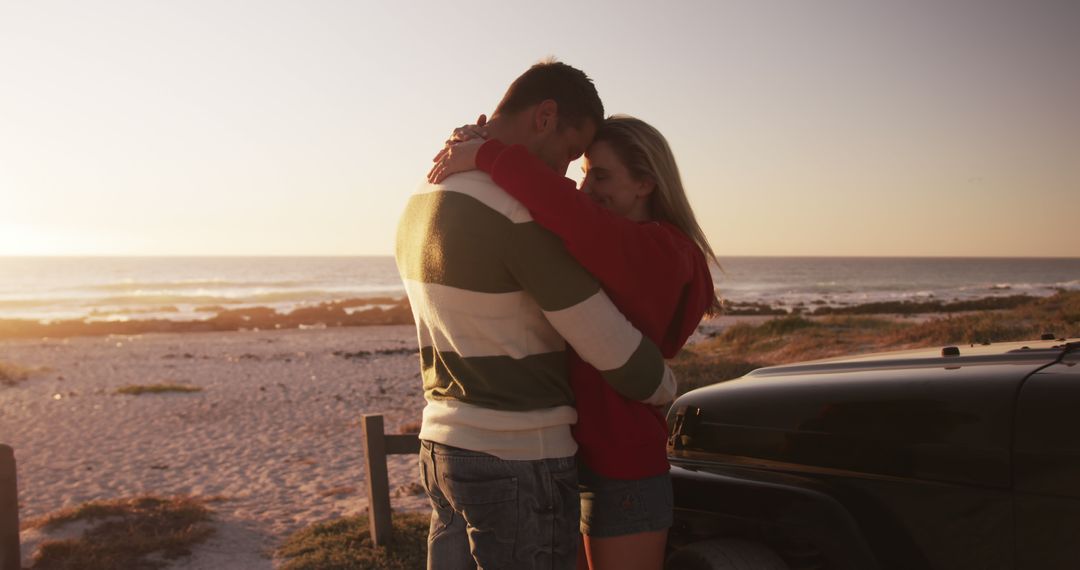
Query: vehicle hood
910	414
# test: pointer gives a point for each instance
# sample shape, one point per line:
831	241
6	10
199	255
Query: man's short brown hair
569	87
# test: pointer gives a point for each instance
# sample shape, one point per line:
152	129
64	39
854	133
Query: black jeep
954	458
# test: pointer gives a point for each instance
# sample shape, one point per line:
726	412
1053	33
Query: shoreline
381	311
329	314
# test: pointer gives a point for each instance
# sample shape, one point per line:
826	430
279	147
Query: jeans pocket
490	508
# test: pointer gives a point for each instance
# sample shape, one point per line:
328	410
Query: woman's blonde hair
646	154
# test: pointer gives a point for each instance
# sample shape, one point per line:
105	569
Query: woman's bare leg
582	554
640	551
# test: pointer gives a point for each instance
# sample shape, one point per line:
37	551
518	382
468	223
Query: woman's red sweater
653	273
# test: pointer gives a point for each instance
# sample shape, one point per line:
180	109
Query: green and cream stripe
496	298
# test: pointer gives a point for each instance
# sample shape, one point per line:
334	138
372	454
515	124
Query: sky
825	128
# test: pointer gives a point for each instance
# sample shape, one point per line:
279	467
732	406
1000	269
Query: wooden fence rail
377	445
10	558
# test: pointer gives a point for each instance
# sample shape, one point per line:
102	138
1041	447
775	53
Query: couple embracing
544	315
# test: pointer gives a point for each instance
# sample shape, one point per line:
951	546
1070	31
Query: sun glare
25	239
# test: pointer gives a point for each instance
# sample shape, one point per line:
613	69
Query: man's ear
546	116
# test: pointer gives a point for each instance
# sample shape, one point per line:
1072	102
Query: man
496	300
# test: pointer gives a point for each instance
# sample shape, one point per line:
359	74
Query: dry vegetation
11	373
345	544
138	389
134	534
744	347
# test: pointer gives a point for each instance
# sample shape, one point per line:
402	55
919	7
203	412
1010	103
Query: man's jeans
495	514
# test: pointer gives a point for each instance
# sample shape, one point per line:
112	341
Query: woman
632	227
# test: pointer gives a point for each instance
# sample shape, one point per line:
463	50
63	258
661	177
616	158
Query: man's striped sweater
496	299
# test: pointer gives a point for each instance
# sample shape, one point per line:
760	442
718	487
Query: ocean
182	288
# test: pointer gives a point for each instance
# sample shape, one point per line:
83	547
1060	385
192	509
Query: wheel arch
767	503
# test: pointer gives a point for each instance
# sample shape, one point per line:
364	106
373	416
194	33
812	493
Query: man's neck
506	131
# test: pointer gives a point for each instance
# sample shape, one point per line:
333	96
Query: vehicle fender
799	507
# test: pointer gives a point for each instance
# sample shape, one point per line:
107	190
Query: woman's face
608	183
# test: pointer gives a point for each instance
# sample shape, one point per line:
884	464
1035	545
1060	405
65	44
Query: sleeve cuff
665	392
488	153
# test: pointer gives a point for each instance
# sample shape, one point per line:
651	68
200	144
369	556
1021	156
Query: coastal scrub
345	544
11	373
743	347
138	389
135	533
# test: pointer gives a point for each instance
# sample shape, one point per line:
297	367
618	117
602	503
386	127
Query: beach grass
137	533
694	369
345	544
744	346
929	306
138	389
11	373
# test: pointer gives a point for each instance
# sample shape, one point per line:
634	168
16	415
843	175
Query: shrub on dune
11	373
138	389
345	544
742	347
135	533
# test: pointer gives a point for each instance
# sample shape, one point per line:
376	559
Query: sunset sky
223	127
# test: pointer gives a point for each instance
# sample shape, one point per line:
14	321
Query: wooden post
378	483
10	558
377	445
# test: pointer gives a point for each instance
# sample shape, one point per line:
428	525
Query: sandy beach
274	431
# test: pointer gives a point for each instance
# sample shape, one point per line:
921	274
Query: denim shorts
616	507
494	513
